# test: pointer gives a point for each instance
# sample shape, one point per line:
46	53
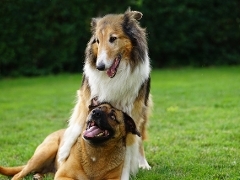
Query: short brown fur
87	160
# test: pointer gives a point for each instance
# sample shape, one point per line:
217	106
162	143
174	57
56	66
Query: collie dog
116	70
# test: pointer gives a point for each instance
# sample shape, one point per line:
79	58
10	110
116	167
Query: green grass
194	132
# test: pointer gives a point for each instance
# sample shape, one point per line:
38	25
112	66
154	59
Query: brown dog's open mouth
111	72
94	132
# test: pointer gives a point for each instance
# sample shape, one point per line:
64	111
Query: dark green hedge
196	33
41	37
49	36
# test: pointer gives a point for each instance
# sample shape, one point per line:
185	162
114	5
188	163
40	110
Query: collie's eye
112	39
97	41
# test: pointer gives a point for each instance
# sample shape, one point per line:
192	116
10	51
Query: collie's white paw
63	154
144	164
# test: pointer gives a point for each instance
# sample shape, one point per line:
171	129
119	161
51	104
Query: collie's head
117	41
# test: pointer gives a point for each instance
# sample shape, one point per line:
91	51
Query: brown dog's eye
97	41
112	116
112	39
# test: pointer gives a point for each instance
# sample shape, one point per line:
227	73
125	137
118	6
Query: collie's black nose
100	66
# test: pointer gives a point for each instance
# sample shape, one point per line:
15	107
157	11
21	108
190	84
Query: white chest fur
121	90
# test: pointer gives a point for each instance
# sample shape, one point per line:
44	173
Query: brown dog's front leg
43	157
38	176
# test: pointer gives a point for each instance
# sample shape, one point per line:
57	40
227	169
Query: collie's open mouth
93	132
111	72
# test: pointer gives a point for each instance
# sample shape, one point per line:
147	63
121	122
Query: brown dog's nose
96	113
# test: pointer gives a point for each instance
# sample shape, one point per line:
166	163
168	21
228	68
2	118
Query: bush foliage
197	33
43	37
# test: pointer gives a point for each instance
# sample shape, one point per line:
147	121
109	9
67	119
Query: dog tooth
100	134
106	132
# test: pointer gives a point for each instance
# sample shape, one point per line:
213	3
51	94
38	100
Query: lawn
194	131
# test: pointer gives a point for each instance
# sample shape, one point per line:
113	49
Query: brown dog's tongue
92	132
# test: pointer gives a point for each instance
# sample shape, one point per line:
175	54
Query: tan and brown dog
98	154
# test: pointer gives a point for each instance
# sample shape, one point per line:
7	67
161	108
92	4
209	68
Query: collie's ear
134	14
130	125
94	23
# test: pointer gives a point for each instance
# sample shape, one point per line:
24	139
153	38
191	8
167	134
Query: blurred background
39	37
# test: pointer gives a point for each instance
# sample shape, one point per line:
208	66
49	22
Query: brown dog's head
106	122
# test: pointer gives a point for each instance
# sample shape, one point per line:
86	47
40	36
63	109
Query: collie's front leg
70	137
76	122
131	157
74	129
142	159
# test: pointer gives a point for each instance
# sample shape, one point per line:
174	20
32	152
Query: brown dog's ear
130	125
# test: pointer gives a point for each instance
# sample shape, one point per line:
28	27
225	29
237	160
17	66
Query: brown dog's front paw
38	176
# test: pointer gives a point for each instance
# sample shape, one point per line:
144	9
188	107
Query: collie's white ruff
113	90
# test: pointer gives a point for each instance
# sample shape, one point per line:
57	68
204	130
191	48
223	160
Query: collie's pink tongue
92	132
113	69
